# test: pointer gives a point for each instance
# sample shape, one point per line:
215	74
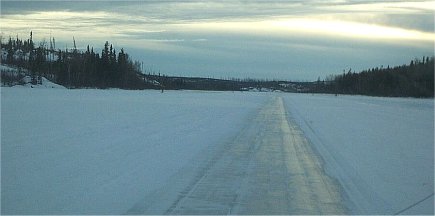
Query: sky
291	40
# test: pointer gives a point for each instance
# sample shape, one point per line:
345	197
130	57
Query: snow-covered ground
101	151
104	151
45	83
381	150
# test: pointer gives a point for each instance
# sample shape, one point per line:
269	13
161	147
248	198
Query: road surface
269	168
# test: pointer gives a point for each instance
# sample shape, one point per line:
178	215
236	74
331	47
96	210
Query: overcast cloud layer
293	40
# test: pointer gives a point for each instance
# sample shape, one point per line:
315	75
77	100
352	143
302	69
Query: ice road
268	168
193	152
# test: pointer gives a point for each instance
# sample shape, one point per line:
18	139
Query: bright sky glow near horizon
291	40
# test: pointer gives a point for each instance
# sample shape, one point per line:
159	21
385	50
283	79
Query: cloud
262	38
156	15
386	6
311	26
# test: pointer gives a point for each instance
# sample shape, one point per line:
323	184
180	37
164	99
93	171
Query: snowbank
381	150
102	151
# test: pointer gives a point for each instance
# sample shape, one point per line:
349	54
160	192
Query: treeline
212	84
413	80
73	68
76	68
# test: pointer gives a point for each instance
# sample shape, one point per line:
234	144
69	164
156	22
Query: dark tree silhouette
74	68
413	80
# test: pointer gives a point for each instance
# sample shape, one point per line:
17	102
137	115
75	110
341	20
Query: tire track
269	168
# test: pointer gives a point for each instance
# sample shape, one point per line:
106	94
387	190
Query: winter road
269	168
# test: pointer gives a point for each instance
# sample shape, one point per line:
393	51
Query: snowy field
102	151
381	150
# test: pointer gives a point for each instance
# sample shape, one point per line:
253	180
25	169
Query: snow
26	80
3	54
381	150
102	151
11	70
252	89
45	83
17	55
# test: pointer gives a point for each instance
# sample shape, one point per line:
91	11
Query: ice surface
380	149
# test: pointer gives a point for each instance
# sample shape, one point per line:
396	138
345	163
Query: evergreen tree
74	68
10	52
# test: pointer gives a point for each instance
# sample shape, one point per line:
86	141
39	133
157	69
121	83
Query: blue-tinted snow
101	151
381	150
